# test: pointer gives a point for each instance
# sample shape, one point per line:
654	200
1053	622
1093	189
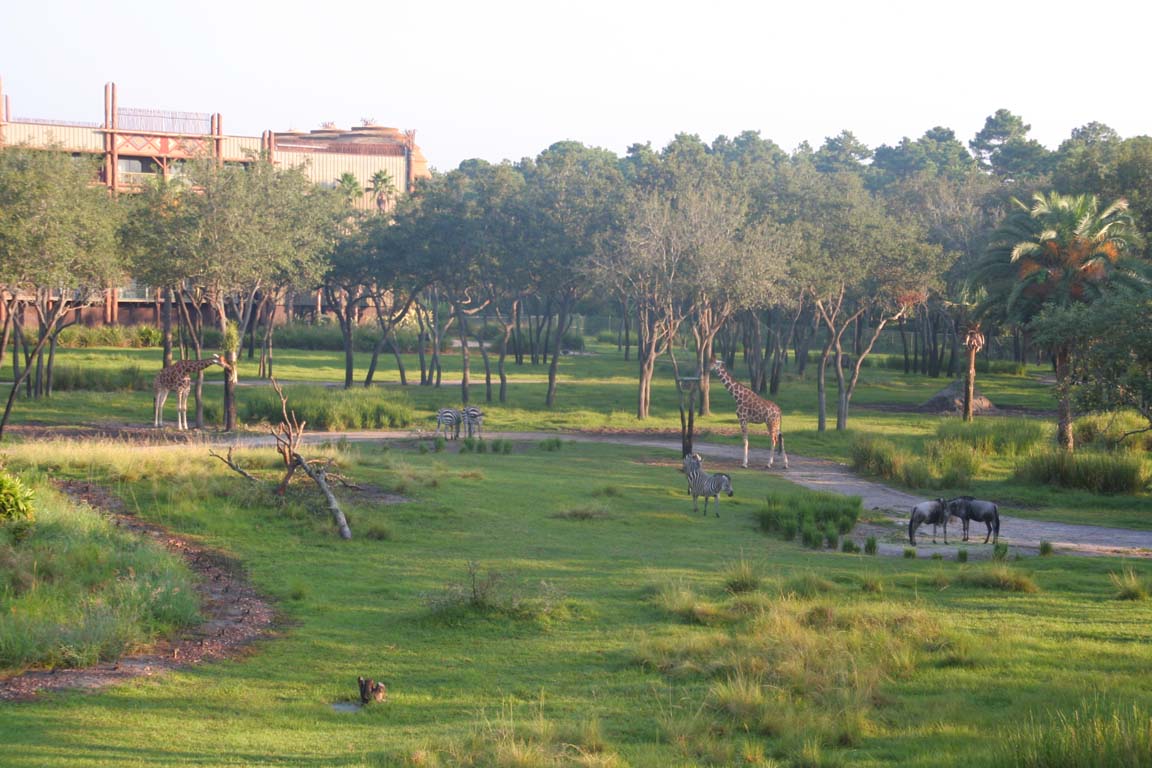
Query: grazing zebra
473	418
450	419
700	483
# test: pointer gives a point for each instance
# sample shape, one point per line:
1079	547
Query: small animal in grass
700	483
450	420
370	690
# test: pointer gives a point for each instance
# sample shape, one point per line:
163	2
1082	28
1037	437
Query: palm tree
349	188
1063	250
382	186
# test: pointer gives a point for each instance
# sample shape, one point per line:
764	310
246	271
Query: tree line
747	250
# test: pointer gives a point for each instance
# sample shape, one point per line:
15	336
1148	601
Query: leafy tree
256	223
1061	251
57	244
574	201
1003	147
349	188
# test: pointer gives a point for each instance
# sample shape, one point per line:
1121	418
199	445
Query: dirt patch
235	614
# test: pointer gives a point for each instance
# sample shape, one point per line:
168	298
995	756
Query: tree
574	201
1003	147
1112	367
383	190
255	223
57	243
1061	251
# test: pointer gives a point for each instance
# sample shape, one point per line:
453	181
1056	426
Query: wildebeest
935	512
967	509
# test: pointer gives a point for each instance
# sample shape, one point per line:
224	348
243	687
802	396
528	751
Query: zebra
473	418
700	483
450	419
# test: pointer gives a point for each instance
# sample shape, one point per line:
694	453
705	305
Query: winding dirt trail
234	613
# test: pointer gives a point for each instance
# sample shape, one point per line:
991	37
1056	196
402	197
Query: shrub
958	462
1087	470
961	555
16	510
909	553
325	408
849	547
70	378
1104	430
572	341
870	546
551	444
999	551
1045	548
988	436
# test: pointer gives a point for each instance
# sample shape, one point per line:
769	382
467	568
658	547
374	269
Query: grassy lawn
608	634
597	391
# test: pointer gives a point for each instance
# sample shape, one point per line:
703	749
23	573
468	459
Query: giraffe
178	377
750	407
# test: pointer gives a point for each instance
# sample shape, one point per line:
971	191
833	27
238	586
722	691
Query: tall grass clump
1098	733
78	590
802	671
129	378
993	436
330	409
819	518
1087	470
1129	585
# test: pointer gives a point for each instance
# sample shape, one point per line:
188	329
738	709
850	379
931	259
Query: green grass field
608	627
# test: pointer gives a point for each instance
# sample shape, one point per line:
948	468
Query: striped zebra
450	419
473	418
700	483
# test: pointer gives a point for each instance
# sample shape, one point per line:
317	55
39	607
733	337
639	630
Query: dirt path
234	613
1020	534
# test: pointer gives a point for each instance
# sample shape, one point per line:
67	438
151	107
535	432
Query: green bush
70	378
1004	367
326	408
17	514
1088	470
819	518
870	546
572	342
1104	430
988	436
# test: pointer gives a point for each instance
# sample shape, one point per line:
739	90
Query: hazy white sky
504	79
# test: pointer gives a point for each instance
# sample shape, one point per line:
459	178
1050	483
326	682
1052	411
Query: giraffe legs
744	431
182	404
158	417
780	441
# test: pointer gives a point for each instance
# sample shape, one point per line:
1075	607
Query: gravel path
1020	534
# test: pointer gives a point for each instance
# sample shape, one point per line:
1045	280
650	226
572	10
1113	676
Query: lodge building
137	145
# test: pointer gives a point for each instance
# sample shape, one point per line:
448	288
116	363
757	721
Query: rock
951	400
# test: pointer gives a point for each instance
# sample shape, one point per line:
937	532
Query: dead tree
289	434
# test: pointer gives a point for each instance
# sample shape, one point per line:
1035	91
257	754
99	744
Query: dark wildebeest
935	512
967	509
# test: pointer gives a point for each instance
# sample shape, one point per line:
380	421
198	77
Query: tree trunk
1063	360
970	383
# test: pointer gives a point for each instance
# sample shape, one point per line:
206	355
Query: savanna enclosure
969	325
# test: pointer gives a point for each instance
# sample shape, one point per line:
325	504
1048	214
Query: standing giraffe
750	407
178	377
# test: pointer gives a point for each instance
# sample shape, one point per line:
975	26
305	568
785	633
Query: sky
504	79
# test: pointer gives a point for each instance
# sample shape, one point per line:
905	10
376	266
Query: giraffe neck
195	366
730	383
